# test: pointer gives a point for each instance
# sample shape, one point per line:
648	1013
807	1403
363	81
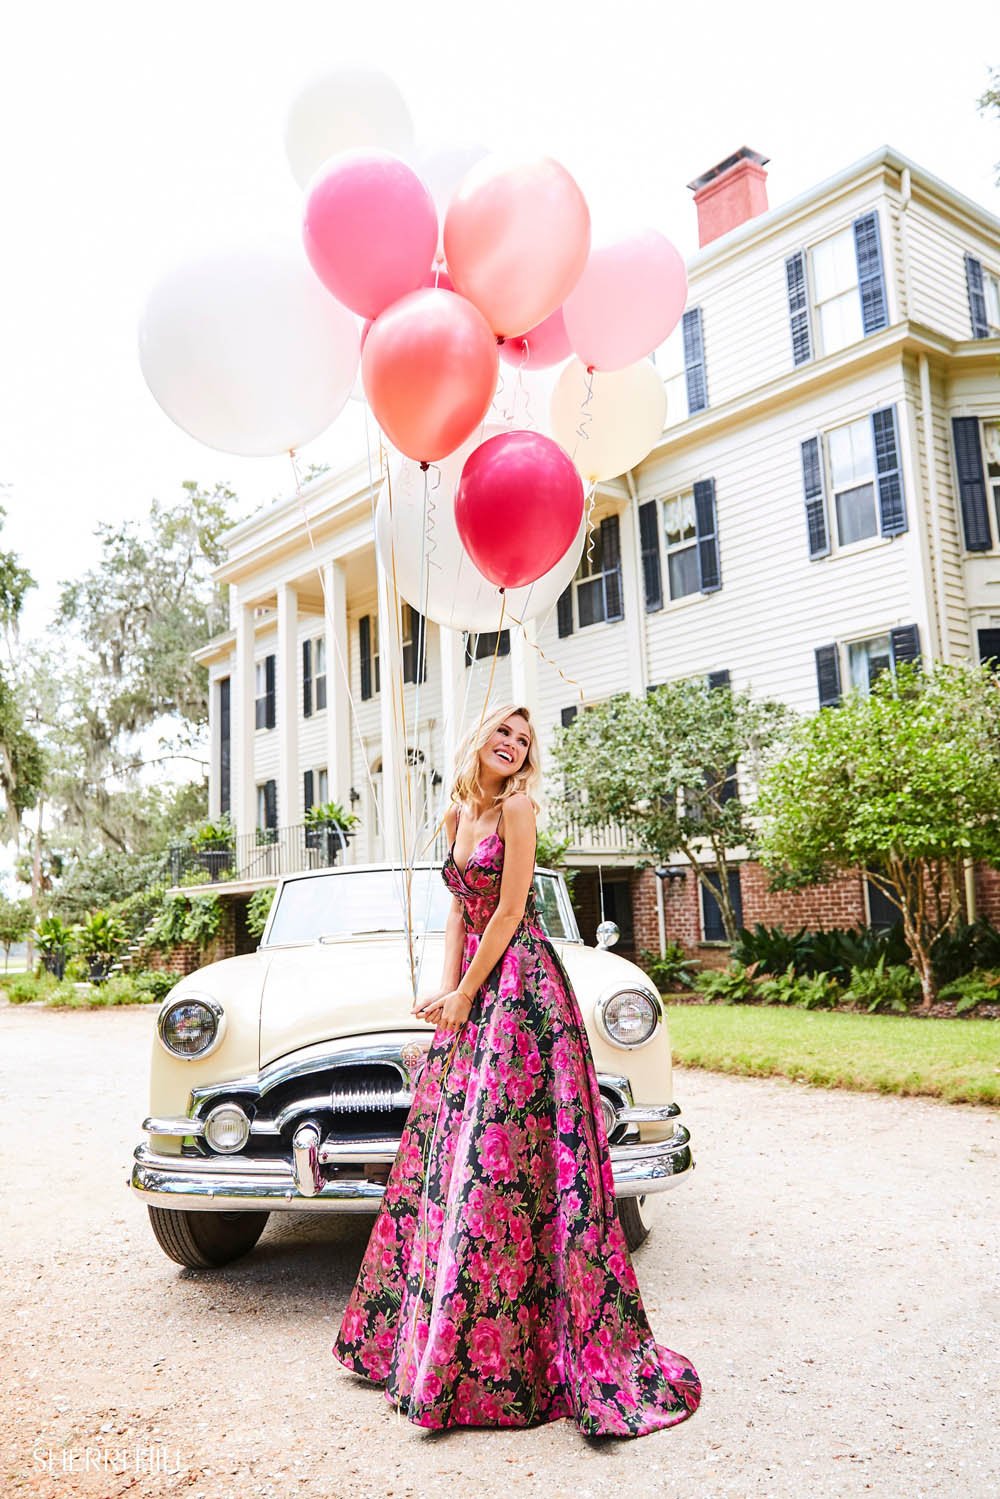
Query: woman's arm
454	946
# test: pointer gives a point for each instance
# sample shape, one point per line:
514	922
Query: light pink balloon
370	229
430	370
540	348
628	300
516	238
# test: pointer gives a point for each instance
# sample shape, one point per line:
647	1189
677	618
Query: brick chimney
730	193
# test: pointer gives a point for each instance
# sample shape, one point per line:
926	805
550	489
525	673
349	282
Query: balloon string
570	681
586	417
591	528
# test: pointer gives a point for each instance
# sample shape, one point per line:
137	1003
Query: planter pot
327	838
216	861
98	968
54	963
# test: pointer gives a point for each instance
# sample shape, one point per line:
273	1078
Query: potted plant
54	941
329	827
212	844
99	940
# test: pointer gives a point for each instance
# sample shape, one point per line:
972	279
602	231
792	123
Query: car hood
323	991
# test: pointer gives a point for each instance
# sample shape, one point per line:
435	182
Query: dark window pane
856	514
683	572
590	601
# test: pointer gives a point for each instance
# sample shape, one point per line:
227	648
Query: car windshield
360	901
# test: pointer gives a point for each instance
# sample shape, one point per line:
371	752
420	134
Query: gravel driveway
831	1267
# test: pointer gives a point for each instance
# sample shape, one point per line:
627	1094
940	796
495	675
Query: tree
664	766
990	99
16	918
905	784
21	760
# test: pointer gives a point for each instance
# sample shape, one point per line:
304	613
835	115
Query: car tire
632	1217
202	1241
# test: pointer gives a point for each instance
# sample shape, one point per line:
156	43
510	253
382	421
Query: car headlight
191	1027
227	1128
628	1017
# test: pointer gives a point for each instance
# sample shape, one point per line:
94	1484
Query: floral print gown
497	1288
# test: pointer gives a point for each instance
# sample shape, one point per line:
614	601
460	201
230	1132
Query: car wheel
632	1217
203	1240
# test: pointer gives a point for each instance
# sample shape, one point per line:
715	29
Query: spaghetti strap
499	821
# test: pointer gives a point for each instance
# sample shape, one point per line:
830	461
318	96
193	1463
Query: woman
497	1287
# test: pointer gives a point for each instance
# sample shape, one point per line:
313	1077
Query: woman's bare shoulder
520	809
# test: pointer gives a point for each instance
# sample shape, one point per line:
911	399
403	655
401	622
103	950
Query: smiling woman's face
507	747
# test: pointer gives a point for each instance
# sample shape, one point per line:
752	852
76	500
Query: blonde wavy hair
466	786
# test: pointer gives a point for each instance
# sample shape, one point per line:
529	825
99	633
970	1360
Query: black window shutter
719	679
365	651
415	654
694	361
612	555
989	647
871	278
905	644
225	745
971	483
307	680
269	688
564	611
812	485
649	544
307	789
713	926
708	539
567	716
270	804
977	298
828	675
798	307
891	504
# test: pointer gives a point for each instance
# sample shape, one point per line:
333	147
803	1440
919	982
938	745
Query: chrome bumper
228	1183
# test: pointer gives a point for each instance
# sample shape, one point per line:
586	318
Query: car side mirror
607	934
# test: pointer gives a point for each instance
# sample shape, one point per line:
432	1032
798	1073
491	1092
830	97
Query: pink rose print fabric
497	1288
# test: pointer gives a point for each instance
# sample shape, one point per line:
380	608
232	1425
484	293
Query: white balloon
419	543
247	351
343	109
617	426
441	169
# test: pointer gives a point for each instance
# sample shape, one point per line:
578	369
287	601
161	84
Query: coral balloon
540	348
418	523
516	238
246	352
518	506
430	369
343	110
627	301
370	229
621	414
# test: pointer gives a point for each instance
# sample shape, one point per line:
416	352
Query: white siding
936	251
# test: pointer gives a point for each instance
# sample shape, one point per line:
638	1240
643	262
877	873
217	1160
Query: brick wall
988	894
186	958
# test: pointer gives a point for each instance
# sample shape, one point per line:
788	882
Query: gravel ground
831	1267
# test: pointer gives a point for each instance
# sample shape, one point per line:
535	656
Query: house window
712	925
225	745
319	672
414	644
264	693
618	908
598	581
989	647
883	915
991	452
852	473
866	660
835	290
670	363
991	295
680	529
484	645
267	805
369	655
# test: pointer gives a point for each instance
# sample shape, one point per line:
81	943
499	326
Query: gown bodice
479	887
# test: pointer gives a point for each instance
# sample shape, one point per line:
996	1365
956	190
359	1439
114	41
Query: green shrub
772	949
152	985
258	909
24	988
779	989
674	970
892	987
728	986
970	945
971	989
817	991
202	920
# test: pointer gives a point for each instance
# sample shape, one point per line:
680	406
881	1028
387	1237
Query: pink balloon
429	369
518	507
370	229
438	277
516	239
627	301
542	347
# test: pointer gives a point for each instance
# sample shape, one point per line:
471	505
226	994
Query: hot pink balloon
516	239
429	369
370	229
627	301
542	347
518	507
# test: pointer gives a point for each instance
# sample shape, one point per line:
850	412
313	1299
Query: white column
453	671
287	705
633	598
391	706
524	669
338	666
214	749
241	704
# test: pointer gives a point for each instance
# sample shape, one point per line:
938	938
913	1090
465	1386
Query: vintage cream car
281	1080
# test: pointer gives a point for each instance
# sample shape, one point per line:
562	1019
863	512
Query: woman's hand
448	1010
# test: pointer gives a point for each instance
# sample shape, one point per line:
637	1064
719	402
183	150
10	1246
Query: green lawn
957	1060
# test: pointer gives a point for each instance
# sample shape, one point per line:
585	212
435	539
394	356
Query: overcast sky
137	134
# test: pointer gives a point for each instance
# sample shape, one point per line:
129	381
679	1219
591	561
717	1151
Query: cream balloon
247	351
419	544
343	109
617	426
